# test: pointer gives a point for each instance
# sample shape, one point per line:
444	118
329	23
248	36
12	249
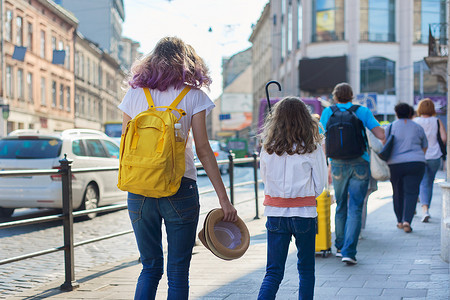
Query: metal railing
68	214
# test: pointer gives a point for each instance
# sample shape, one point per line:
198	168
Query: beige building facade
261	60
40	93
98	79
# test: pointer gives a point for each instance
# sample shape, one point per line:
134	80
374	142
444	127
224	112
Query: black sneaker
349	260
338	253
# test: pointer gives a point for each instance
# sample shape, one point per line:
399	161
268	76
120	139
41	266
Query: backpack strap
354	108
334	108
173	106
180	97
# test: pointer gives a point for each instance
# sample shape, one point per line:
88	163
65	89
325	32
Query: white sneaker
349	260
338	253
425	218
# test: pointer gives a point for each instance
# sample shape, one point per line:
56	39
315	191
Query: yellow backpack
151	162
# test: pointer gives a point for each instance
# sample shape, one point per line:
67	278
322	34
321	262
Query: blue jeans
405	180
180	214
279	232
350	182
426	185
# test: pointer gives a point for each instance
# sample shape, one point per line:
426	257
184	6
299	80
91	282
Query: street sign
224	117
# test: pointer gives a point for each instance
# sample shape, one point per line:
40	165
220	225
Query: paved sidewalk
391	265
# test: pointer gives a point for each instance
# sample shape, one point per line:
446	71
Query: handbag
442	146
379	169
385	153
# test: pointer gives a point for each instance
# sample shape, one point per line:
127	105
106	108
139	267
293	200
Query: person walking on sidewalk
293	169
429	122
166	71
407	164
350	167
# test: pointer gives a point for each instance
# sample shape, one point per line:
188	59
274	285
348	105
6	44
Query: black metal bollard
231	173
69	265
255	174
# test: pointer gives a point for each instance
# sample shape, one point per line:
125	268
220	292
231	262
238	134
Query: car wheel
6	212
90	201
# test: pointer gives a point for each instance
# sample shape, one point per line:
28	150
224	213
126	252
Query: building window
88	70
428	12
42	43
100	76
100	111
61	97
68	99
289	27
30	87
53	93
76	68
82	66
53	43
43	92
283	29
9	87
8	25
67	58
377	21
19	31
82	110
77	105
30	37
20	85
299	23
377	75
328	20
426	84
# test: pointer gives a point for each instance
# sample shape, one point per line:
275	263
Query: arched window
377	75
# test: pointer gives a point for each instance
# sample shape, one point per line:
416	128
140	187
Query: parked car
33	149
218	153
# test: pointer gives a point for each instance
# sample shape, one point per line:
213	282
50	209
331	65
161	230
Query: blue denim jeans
279	232
180	214
426	185
350	181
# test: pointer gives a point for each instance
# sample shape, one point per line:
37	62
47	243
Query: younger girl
294	172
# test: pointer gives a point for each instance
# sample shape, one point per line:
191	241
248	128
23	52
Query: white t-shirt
431	130
194	102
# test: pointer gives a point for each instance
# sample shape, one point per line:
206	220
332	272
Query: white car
32	149
218	153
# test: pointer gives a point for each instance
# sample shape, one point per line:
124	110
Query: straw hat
226	240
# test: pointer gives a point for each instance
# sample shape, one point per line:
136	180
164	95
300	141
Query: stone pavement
391	265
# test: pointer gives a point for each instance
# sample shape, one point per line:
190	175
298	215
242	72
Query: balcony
437	50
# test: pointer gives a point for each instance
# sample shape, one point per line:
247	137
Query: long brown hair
290	128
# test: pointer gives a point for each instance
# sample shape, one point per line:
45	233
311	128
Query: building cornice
60	12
